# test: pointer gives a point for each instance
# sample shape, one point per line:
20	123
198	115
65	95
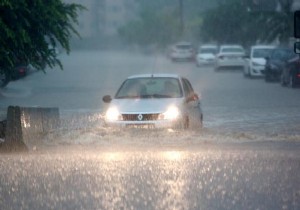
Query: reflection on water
126	178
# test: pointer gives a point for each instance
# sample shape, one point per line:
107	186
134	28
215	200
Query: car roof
208	46
231	46
263	47
183	43
154	76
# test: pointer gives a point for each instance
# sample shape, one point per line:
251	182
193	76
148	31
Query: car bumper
182	56
144	124
230	63
257	70
205	62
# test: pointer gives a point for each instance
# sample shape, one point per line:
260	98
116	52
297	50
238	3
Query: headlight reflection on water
113	156
173	155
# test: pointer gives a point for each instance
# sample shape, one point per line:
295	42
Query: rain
246	155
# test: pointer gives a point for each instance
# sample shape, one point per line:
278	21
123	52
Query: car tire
267	77
282	82
186	123
4	79
292	82
246	73
250	74
201	121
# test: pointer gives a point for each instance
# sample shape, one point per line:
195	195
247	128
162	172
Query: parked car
256	61
154	101
275	63
206	55
4	78
182	51
230	56
290	75
18	72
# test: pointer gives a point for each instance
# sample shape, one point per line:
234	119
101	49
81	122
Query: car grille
139	117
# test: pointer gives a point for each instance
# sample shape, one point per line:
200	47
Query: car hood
260	61
206	56
147	105
231	54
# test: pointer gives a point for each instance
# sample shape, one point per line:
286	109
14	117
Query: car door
192	102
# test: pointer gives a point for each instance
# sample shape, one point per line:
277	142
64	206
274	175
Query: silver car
182	51
154	101
206	55
230	56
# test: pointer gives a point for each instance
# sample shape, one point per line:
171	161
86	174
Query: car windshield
183	47
232	50
150	88
208	50
282	54
261	53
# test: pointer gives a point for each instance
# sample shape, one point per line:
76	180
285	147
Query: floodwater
246	156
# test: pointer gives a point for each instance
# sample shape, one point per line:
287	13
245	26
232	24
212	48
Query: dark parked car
275	63
19	72
291	72
16	73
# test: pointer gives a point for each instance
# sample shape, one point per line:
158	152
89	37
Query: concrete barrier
25	126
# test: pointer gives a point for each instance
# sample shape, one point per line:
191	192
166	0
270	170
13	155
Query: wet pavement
246	156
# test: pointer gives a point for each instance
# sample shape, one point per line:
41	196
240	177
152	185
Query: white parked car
256	62
182	51
206	55
154	101
230	56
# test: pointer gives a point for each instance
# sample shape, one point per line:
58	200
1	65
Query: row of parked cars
269	61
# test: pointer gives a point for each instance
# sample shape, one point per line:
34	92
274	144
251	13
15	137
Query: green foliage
27	28
235	21
228	23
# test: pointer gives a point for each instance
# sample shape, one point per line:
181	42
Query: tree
278	24
28	27
248	21
229	22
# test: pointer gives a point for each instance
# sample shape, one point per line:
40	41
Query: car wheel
282	82
4	79
201	122
292	82
267	78
186	123
250	74
246	71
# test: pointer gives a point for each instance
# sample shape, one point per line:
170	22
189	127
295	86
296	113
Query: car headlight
172	113
113	114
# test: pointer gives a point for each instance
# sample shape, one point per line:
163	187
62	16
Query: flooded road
246	156
203	176
231	103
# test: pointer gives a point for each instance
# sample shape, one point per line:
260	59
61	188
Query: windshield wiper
155	96
121	97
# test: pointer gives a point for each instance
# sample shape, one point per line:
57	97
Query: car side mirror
297	47
107	99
